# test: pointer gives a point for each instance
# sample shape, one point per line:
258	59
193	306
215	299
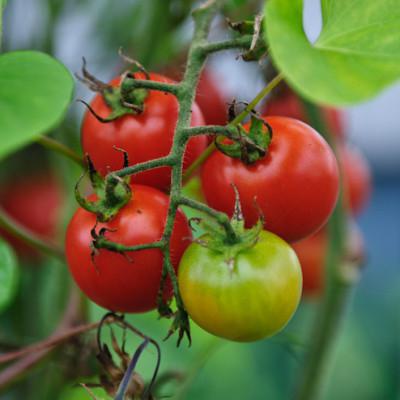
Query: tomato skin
211	100
34	201
115	282
295	185
357	185
145	136
288	104
254	300
312	254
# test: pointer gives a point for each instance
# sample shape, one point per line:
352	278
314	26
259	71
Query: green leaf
35	91
9	275
356	56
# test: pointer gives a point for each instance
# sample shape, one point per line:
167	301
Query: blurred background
156	32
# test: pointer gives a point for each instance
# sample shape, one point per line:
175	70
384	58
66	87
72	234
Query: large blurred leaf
9	275
35	91
356	56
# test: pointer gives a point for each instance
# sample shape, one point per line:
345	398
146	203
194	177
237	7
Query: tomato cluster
243	284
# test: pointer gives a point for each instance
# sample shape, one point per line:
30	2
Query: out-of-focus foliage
356	55
46	86
9	275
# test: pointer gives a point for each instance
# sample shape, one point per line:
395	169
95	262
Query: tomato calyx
112	193
122	99
216	238
249	146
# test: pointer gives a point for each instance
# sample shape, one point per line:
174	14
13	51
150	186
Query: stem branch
61	148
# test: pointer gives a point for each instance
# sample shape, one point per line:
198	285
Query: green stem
18	231
134	169
236	121
120	248
260	95
61	148
242	42
172	88
211	130
328	320
220	217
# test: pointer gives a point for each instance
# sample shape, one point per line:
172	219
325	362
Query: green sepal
112	193
248	146
124	99
216	239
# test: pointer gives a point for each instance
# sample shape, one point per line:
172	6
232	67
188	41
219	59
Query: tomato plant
295	184
245	295
35	202
144	136
125	282
125	245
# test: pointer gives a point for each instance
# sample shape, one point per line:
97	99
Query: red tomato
145	136
356	178
35	202
126	283
211	100
287	104
312	253
295	185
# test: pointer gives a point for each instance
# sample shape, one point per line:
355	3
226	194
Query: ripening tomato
288	104
312	254
356	178
295	185
144	136
130	282
242	297
34	201
211	100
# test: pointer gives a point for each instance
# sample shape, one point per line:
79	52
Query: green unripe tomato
244	297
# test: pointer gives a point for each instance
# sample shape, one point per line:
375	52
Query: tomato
288	104
211	100
144	136
295	185
312	253
34	201
254	299
356	178
130	282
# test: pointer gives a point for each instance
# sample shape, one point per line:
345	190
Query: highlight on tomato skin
245	298
295	185
126	282
34	200
144	136
312	253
